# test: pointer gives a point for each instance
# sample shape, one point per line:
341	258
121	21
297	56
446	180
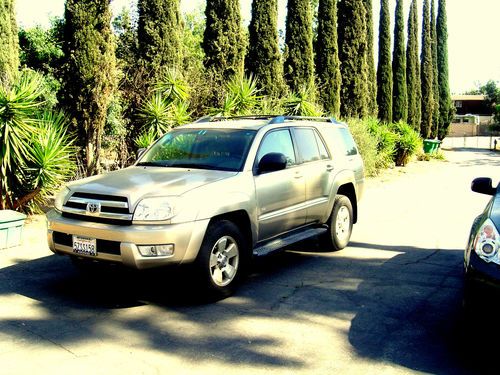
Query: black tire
224	250
339	233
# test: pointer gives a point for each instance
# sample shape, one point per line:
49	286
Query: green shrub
367	145
386	143
408	142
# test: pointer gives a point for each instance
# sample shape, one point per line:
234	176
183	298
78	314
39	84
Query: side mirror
140	152
483	185
274	161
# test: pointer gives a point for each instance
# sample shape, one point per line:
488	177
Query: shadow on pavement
405	310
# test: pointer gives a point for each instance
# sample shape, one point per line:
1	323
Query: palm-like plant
173	87
302	103
179	113
244	93
18	106
155	114
36	152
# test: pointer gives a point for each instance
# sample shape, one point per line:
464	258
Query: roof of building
468	97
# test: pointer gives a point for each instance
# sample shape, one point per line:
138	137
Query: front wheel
222	258
339	224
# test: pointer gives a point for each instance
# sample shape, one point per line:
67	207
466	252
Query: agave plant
302	103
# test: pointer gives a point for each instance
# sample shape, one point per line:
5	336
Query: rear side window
340	141
307	143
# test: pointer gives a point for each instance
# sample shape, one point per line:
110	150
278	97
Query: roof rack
273	119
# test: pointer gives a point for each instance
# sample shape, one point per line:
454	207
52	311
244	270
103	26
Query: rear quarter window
340	141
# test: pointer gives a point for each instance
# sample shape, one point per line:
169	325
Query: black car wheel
222	258
339	224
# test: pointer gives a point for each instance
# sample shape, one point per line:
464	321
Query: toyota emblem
93	208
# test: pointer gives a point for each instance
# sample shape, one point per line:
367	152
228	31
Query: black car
482	255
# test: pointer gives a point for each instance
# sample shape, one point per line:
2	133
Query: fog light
156	250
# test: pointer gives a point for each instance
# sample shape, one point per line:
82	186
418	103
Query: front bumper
117	243
483	271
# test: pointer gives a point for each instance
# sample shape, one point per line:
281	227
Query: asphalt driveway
389	303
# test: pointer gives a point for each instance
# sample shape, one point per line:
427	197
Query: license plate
84	246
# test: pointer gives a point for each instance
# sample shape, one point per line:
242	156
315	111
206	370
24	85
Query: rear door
316	167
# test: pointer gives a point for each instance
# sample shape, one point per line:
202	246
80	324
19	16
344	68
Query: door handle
297	175
329	168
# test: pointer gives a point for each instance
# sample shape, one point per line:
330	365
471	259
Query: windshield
218	149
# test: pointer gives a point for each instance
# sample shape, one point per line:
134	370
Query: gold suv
214	193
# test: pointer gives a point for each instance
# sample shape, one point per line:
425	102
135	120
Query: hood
137	182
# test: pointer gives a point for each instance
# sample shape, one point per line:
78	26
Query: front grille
108	209
96	219
103	246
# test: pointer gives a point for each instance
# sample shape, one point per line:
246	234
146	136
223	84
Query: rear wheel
222	259
339	224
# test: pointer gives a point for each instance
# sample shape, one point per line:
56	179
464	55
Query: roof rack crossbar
273	119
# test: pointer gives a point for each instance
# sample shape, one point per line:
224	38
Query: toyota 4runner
214	194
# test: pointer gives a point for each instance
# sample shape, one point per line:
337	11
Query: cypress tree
400	97
299	65
9	41
263	58
159	33
352	54
372	75
426	74
384	70
223	41
327	57
90	73
445	106
413	84
435	87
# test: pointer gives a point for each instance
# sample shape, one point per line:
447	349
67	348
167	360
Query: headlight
156	209
486	243
60	198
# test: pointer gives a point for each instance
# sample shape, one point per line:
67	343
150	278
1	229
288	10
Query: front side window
217	149
278	141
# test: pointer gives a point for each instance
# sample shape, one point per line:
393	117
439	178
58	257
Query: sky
474	56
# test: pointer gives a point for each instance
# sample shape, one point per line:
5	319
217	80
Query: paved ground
389	303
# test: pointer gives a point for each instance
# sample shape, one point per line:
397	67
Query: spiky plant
302	103
155	114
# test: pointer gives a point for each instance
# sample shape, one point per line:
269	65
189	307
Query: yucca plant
408	142
173	87
155	114
179	113
244	93
146	138
302	103
50	155
35	150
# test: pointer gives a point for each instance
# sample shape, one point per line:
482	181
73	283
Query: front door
280	194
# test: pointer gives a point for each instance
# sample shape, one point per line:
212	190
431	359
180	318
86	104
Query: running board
287	240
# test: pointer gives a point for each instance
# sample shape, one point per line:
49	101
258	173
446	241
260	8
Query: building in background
473	116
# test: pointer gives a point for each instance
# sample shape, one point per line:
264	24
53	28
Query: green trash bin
431	145
11	228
